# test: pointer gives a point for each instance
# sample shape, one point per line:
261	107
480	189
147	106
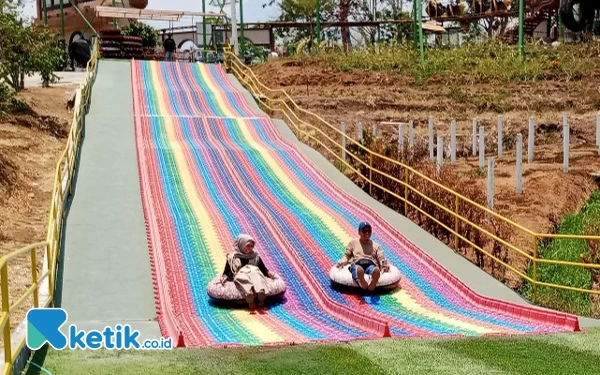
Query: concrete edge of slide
104	276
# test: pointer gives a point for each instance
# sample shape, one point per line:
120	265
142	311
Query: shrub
9	102
148	34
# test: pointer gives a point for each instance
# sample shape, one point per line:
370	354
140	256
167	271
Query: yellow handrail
278	100
62	188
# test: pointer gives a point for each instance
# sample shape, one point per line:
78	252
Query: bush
6	96
150	37
9	102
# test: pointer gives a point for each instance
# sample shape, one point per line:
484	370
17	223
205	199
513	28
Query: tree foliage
302	11
149	35
26	50
344	10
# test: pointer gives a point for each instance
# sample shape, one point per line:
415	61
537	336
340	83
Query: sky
253	10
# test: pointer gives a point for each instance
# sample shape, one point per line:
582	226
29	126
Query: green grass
568	250
472	63
571	353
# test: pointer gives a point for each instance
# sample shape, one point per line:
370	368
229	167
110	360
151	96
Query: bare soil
373	97
30	146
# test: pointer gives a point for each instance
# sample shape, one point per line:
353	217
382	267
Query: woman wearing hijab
246	269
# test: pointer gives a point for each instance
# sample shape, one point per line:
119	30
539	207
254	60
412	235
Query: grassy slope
473	63
574	353
569	250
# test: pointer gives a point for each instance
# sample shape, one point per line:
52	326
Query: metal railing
62	189
311	126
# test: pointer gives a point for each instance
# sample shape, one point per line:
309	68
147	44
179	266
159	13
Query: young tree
26	50
302	11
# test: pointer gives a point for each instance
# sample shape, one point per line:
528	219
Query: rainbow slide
211	167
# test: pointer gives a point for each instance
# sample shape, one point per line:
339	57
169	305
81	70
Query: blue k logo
43	325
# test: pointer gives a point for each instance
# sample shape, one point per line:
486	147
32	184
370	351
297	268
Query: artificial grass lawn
571	353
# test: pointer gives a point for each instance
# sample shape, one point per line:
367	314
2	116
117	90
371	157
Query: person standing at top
170	47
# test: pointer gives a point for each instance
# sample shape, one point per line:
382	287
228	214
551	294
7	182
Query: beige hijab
238	253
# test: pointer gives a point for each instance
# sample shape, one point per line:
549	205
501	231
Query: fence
42	286
479	142
309	126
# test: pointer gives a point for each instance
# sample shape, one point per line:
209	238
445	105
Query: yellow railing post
342	146
55	239
316	125
535	258
456	223
6	312
34	278
406	192
60	180
50	276
293	117
297	115
370	173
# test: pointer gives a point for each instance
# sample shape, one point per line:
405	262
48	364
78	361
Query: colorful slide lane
211	167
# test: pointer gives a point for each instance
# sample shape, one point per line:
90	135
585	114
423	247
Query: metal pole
490	184
474	137
561	30
500	136
598	130
481	147
519	163
414	24
401	137
420	26
360	131
234	28
114	3
343	141
204	31
440	154
431	157
85	19
531	140
62	19
318	23
453	142
45	12
521	25
565	143
242	41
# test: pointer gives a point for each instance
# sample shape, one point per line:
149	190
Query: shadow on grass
291	360
37	361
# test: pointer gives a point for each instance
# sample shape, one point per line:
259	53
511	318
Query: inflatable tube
387	280
229	292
